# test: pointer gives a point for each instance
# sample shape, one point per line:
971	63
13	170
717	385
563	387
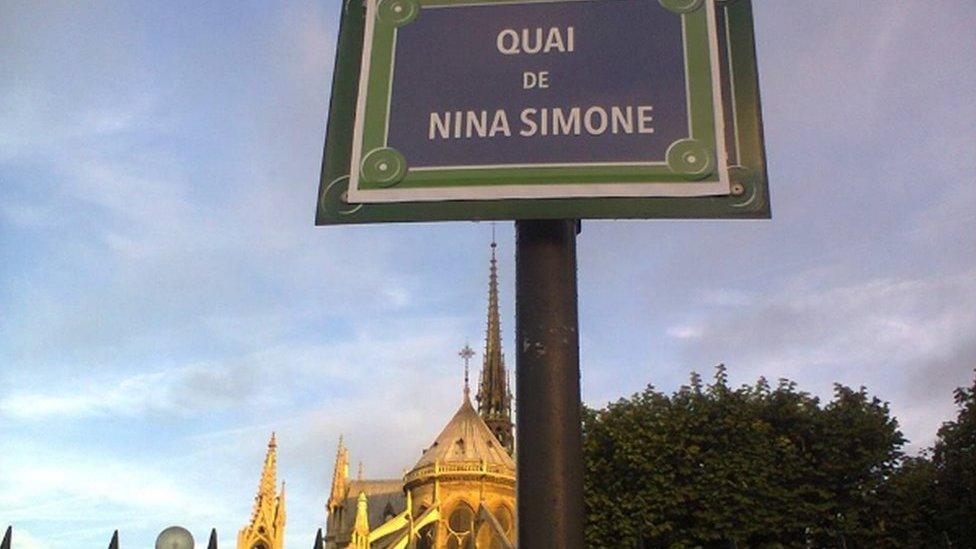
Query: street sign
543	109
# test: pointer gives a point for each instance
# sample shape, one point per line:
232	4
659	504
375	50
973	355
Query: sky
166	302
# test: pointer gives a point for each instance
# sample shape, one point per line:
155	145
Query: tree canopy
954	458
761	466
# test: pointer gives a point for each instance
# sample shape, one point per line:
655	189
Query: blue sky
165	302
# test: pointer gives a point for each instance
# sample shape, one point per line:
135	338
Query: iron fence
8	536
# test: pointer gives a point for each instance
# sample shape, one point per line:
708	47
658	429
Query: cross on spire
466	353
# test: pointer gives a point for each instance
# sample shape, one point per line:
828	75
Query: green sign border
749	196
382	174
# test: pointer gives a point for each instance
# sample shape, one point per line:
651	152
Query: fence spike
212	544
5	544
318	540
114	544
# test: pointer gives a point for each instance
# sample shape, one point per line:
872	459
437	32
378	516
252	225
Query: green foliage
753	466
931	499
911	514
954	456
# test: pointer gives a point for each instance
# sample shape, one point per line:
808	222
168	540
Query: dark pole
5	544
550	450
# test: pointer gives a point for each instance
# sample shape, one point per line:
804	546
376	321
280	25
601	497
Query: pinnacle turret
340	477
267	527
267	488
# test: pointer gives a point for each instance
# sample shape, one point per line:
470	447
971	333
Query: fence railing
8	539
480	467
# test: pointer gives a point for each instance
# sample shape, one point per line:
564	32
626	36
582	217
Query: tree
753	466
954	457
912	512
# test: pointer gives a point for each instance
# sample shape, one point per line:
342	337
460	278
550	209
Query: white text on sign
592	120
530	41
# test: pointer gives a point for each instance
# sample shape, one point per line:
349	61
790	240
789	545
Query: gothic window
505	519
259	546
388	512
487	536
460	525
426	537
461	520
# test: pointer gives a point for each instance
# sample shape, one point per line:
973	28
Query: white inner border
524	191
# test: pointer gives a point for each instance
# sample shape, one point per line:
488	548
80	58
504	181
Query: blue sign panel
531	84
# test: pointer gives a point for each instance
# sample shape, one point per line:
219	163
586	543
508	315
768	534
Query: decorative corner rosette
682	6
744	189
398	12
690	157
335	199
384	167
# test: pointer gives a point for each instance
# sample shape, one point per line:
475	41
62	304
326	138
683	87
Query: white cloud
125	398
684	332
58	486
263	377
389	400
907	340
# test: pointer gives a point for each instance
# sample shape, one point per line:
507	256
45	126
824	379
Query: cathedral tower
494	396
461	493
267	527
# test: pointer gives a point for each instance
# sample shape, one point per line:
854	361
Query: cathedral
459	495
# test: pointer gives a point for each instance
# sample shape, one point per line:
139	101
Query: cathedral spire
494	399
267	527
340	476
268	485
335	507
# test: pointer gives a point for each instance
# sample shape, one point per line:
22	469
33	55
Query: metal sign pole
550	450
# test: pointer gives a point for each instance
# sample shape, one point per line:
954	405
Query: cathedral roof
373	487
385	498
466	438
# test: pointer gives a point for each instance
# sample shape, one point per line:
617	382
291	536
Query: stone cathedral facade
459	495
